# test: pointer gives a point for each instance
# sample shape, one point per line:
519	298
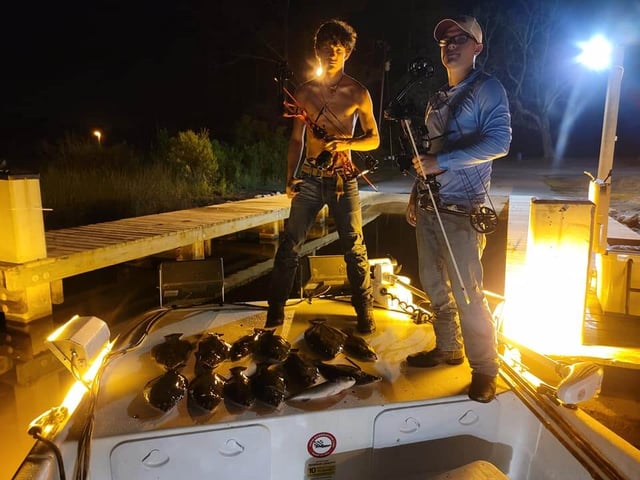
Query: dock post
23	241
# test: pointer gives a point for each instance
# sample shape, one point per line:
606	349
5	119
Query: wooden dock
28	289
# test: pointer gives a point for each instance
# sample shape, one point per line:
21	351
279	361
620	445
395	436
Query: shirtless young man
335	102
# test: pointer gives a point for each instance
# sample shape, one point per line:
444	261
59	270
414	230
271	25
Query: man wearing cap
470	123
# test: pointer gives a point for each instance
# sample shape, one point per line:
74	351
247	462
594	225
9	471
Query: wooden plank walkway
77	250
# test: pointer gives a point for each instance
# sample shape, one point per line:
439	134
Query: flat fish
244	345
268	385
173	352
206	390
237	389
334	371
357	347
212	350
299	372
324	340
164	392
324	390
271	348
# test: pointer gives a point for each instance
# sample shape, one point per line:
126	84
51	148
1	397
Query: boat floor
121	408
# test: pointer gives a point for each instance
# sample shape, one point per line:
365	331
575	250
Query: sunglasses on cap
460	39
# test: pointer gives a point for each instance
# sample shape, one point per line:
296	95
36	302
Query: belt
318	172
448	208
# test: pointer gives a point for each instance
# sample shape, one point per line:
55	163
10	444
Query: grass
102	194
84	183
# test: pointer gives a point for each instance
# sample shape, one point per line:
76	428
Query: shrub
261	152
192	155
84	182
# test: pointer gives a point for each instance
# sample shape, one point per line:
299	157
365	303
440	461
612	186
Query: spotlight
79	342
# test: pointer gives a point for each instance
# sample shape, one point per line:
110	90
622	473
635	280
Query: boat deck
121	400
413	424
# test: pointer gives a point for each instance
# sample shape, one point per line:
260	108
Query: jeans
455	320
314	193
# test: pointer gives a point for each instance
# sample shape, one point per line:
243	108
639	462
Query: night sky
133	67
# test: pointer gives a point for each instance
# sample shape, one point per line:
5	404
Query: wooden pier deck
77	250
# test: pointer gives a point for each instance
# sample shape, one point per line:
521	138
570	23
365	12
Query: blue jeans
314	193
455	320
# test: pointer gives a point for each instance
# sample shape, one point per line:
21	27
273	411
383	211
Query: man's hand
410	214
292	187
426	165
338	144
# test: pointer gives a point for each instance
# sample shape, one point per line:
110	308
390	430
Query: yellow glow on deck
79	388
546	293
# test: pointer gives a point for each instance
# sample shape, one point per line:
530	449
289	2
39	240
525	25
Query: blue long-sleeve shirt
474	121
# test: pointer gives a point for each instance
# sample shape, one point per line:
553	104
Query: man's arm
494	137
369	140
294	154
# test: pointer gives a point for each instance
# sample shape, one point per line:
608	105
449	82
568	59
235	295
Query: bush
84	182
262	153
191	154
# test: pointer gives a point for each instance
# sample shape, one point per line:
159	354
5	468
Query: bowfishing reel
484	220
324	161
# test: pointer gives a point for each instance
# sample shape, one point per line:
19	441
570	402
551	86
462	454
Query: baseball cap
466	23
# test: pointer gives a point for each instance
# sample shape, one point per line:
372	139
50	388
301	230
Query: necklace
333	88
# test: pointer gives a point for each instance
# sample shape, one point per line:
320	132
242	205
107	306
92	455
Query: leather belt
450	208
317	172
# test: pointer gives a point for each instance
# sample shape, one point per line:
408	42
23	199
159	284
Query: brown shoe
275	315
483	388
431	358
366	322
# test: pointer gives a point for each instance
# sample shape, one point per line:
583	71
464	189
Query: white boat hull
414	424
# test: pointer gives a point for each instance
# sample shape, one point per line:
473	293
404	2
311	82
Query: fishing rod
420	69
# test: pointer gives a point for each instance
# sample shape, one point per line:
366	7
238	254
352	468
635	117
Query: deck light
78	343
82	345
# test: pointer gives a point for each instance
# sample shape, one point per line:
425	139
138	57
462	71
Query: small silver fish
324	390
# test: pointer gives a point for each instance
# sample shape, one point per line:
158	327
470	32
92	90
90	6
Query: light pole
597	54
98	135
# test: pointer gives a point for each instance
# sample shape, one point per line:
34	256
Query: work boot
366	322
275	315
435	357
483	387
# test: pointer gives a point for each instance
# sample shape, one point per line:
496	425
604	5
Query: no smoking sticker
321	444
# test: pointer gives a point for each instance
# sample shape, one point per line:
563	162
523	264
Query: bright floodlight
596	53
